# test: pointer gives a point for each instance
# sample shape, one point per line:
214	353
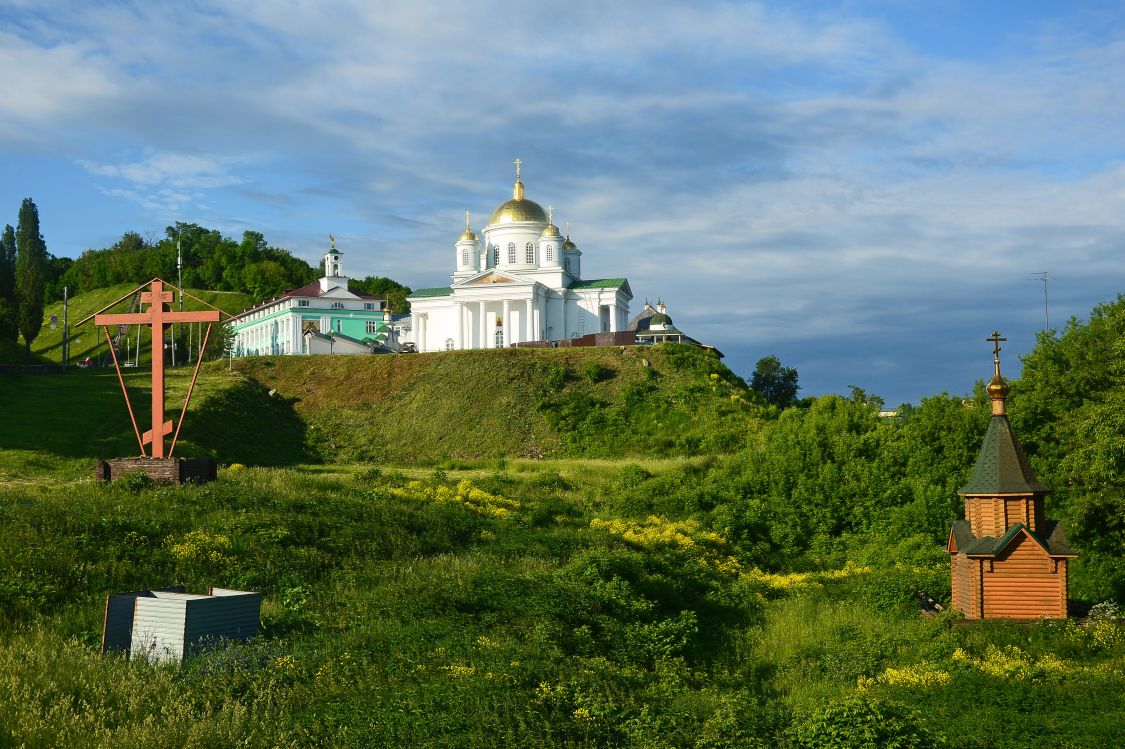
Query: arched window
448	344
550	253
496	255
464	257
511	252
337	305
529	253
499	338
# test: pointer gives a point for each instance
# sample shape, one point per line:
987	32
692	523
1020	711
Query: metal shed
163	626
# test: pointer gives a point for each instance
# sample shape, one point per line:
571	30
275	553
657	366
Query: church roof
435	291
1051	538
1002	467
600	283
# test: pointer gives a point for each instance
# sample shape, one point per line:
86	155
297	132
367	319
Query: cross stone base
163	470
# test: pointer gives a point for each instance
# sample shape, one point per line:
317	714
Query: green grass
88	340
393	617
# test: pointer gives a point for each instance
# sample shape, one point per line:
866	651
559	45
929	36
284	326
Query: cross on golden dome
518	162
996	339
467	221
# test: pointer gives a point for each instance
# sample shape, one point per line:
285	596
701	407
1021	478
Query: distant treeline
210	261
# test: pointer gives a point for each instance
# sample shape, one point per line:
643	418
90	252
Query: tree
8	328
775	383
393	293
31	272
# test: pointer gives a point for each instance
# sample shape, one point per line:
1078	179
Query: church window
338	324
529	253
464	257
550	253
448	344
496	255
337	305
511	252
499	338
372	327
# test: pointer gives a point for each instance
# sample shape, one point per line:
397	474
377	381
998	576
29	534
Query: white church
520	282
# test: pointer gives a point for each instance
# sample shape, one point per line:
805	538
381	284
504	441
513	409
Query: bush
863	722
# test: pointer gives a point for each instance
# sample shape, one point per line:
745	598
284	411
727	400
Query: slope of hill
422	408
594	402
88	340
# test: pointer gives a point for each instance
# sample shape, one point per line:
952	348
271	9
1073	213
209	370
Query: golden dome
550	231
518	209
568	245
998	387
469	235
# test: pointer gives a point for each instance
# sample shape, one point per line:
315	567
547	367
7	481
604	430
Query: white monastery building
520	281
321	318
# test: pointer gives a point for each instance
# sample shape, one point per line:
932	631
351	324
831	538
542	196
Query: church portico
518	283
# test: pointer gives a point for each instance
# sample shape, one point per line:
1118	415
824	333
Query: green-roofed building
518	282
1008	561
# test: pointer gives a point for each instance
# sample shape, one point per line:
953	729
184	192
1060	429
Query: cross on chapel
995	339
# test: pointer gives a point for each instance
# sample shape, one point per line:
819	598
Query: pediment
491	278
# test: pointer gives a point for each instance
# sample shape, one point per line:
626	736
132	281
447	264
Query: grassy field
479	607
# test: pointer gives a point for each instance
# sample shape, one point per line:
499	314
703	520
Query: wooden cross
158	315
995	339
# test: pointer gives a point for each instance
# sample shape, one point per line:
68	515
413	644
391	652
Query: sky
864	189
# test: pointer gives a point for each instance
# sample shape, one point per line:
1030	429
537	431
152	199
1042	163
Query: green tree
775	383
393	293
31	272
8	328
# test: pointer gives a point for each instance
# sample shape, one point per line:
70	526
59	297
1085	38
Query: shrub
863	722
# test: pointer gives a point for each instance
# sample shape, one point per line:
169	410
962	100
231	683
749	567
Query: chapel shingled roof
1002	467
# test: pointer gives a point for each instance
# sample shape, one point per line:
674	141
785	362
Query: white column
508	327
562	317
613	318
483	328
460	315
421	342
529	320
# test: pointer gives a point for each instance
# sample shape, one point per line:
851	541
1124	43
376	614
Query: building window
511	252
499	338
550	253
464	257
372	327
448	344
529	253
369	305
496	255
338	323
302	302
337	305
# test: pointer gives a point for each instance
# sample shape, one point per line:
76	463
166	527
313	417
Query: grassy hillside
89	340
516	402
425	408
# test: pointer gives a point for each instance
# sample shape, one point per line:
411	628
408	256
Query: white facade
522	282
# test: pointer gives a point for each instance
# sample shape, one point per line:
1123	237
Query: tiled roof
431	292
1002	467
311	290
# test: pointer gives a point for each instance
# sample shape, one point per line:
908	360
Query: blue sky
863	188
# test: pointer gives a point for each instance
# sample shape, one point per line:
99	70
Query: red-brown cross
158	316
